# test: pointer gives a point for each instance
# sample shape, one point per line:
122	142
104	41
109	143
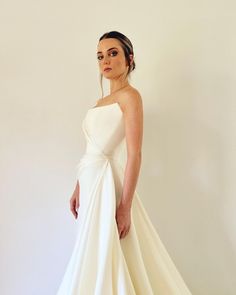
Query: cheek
119	63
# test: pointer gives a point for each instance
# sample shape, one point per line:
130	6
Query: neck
116	85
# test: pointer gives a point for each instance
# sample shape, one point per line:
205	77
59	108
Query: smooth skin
130	102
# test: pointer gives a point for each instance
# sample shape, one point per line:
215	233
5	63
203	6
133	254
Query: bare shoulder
130	99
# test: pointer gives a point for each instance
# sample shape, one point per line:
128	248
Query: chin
108	76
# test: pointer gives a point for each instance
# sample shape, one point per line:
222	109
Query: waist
89	157
99	156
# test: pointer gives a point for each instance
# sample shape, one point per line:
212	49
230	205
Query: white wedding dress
101	263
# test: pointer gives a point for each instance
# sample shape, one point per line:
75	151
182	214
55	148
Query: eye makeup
113	53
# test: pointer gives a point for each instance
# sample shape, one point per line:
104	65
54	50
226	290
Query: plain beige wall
185	56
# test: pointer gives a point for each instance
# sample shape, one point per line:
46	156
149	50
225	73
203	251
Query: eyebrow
108	49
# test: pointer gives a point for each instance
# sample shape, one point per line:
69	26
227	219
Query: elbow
137	156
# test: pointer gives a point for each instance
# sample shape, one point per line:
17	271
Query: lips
107	69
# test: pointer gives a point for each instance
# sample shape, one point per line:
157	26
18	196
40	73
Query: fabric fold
101	263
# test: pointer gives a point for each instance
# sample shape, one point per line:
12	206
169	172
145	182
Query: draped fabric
101	263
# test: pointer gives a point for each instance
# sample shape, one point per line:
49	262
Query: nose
106	59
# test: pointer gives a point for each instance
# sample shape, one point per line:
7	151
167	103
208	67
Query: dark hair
127	48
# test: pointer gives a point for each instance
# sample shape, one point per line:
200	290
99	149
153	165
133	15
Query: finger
74	213
122	234
120	231
125	233
72	208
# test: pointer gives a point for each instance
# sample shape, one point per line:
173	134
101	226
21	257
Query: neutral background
185	56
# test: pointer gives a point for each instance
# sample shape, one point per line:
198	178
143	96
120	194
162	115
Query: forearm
132	170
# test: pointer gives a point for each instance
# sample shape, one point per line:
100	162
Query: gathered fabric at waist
97	157
89	158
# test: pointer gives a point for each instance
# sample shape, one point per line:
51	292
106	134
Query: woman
117	250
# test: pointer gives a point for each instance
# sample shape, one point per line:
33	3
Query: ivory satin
101	263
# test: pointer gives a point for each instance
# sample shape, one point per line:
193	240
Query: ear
131	58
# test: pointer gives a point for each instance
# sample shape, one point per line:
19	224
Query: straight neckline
105	105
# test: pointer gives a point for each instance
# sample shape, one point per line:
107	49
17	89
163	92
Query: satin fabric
101	263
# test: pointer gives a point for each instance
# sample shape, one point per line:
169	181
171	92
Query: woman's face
110	55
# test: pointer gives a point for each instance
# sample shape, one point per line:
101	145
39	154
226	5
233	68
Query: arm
133	116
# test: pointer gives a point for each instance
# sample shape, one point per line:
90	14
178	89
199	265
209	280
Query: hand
123	220
74	203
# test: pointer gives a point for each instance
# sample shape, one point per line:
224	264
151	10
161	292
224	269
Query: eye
114	52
